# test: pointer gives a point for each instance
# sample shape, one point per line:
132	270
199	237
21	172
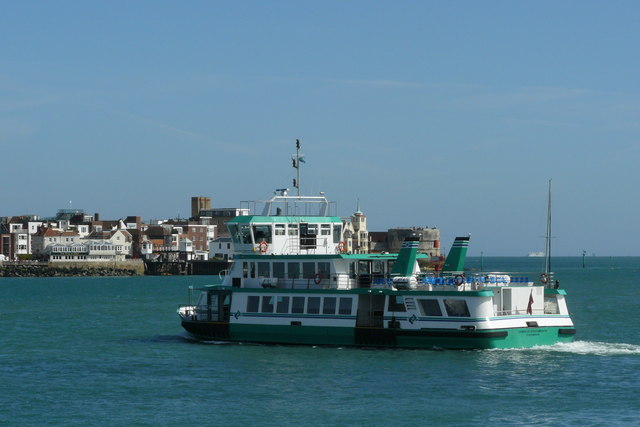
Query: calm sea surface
110	351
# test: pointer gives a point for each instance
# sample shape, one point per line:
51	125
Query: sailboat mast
547	266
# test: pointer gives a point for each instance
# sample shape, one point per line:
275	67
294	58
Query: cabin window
293	229
293	270
456	308
352	270
390	264
245	234
279	229
282	305
345	306
278	270
245	269
551	305
363	267
329	306
267	304
313	305
262	233
325	229
308	235
297	305
377	267
308	270
252	304
396	303
252	267
324	270
430	307
264	269
337	233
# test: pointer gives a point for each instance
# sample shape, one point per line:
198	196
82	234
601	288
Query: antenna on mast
297	159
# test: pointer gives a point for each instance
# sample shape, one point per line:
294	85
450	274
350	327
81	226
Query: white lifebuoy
544	278
317	279
341	246
459	280
263	246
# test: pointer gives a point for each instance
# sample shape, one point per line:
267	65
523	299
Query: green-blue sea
110	351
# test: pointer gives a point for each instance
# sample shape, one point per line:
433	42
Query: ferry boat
293	281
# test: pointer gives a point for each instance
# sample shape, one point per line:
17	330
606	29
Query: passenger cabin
289	225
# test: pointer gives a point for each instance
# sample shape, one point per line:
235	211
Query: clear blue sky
446	114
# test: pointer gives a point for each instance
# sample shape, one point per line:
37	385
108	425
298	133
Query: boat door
218	306
370	311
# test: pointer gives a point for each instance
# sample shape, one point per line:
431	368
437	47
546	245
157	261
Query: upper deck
288	225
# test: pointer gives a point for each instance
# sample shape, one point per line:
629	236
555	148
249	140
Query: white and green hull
363	318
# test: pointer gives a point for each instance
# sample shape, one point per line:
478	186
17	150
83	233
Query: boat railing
293	246
317	281
199	312
428	281
518	312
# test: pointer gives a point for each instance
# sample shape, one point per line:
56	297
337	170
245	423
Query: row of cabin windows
299	305
254	234
431	307
282	270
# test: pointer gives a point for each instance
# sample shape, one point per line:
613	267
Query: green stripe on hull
514	338
392	338
312	335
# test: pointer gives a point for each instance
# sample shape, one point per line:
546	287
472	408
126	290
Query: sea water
110	351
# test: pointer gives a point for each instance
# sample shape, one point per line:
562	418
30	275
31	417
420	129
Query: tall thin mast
298	165
547	254
297	159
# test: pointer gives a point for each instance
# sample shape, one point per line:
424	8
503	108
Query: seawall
65	269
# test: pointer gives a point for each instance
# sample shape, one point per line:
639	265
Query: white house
115	245
221	248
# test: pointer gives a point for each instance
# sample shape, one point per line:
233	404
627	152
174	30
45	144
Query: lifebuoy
459	280
264	246
317	279
341	246
544	278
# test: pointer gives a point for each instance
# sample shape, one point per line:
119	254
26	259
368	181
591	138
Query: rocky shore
63	270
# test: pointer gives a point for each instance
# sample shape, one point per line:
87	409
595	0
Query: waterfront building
429	239
199	203
220	216
356	235
221	248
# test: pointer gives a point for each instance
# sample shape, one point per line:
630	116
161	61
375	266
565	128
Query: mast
547	252
297	159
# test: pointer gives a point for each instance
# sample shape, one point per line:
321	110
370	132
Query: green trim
269	257
313	335
258	219
548	291
403	338
357	291
320	257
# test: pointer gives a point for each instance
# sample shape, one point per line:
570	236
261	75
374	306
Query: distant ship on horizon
538	254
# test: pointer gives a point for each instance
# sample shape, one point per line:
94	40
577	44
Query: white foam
595	348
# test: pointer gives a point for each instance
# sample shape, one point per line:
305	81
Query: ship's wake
596	348
593	348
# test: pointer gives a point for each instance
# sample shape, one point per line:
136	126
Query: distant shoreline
44	269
